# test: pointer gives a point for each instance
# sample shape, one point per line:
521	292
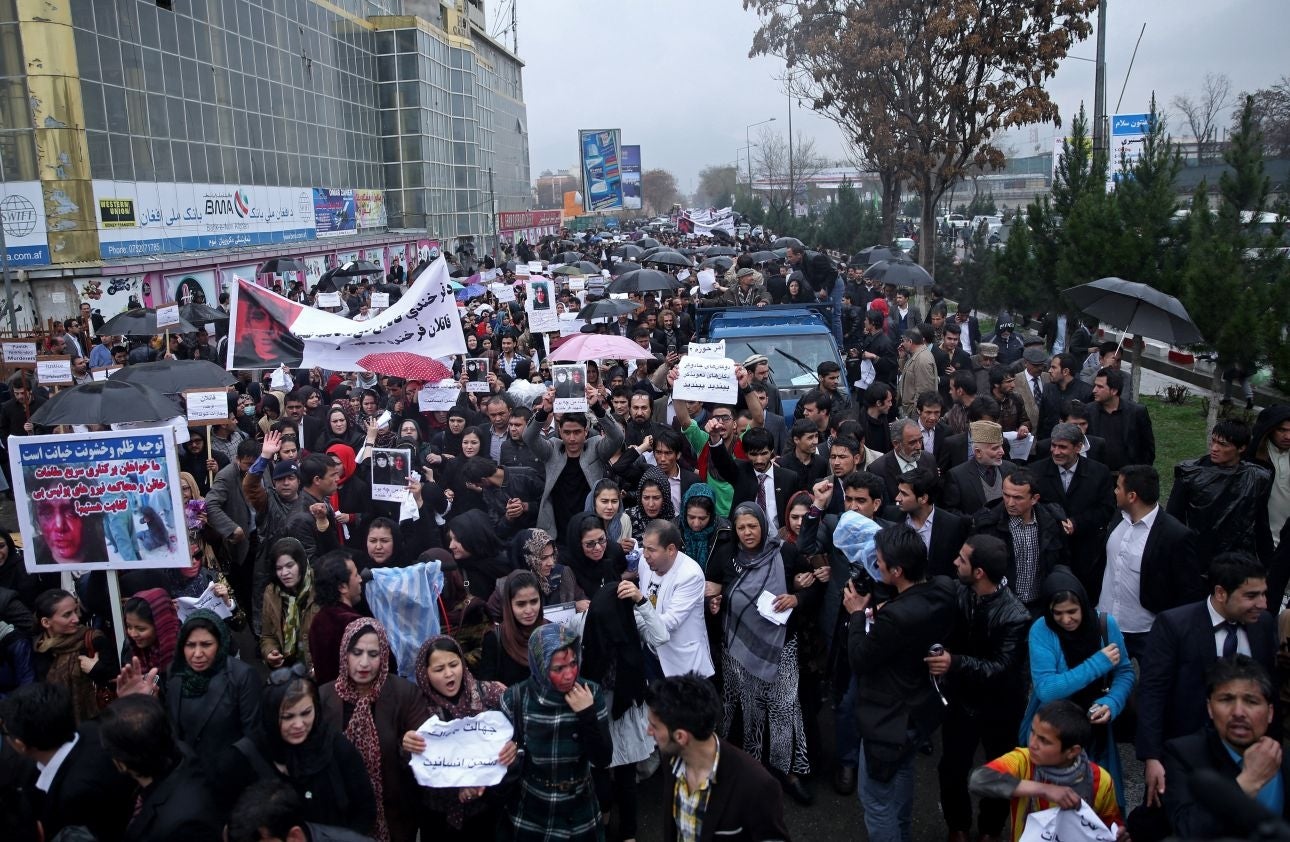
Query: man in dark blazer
1086	493
969	327
803	457
78	785
1240	706
744	801
669	448
972	485
308	428
906	454
226	506
1021	501
774	423
743	474
1184	643
1125	425
914	507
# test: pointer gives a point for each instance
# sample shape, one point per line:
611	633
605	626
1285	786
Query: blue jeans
844	726
888	806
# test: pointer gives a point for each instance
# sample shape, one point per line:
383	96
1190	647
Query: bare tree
1272	114
781	178
716	185
659	190
1203	113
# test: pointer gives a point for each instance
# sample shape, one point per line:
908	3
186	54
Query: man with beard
906	454
978	482
668	445
640	423
515	453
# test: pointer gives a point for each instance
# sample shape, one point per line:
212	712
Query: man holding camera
898	706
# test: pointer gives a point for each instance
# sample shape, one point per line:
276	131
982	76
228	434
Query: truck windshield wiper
803	365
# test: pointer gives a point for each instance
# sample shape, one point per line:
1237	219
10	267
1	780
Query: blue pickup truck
795	338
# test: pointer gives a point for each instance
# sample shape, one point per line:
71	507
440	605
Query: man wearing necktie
1030	383
1085	491
1184	643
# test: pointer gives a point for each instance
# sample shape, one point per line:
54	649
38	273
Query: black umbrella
200	314
281	265
1137	309
688	252
785	242
720	263
608	308
140	322
175	376
587	267
327	282
622	267
780	253
568	269
668	258
627	250
762	257
871	255
642	280
718	251
355	268
106	402
651	250
567	257
900	272
648	243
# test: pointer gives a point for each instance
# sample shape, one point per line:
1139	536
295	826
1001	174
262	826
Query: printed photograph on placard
570	388
390	469
541	294
477	375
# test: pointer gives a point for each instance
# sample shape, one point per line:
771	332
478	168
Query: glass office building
150	128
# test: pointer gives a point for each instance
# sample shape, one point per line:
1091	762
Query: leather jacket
988	650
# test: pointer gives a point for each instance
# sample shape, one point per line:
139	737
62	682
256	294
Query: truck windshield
787	354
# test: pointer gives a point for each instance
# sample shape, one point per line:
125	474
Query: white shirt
49	771
1279	499
1122	581
1220	637
905	464
675	484
767	482
924	531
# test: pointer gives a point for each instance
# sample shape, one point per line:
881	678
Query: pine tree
1149	246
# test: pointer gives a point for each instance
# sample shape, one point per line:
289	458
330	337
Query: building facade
144	143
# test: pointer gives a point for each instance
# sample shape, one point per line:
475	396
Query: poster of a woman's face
263	338
541	295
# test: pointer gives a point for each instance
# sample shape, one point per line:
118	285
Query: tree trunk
890	205
1215	395
927	234
1135	375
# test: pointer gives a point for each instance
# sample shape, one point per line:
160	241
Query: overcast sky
675	77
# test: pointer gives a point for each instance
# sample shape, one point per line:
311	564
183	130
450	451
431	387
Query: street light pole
1100	144
748	143
4	262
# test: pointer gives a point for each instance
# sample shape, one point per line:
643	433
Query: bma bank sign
237	202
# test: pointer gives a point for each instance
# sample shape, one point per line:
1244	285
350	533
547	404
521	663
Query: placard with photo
390	470
476	369
570	388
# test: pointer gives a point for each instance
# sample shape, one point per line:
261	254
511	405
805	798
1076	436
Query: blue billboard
631	177
602	178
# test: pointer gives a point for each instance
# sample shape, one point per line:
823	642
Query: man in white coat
674	583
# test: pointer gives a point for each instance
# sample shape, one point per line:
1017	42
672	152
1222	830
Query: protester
151	629
65	652
289	607
504	657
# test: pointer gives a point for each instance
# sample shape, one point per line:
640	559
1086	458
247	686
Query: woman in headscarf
1075	655
760	656
339	430
451	692
451	475
504	655
535	550
270	410
562	724
461	614
212	700
654	494
295	744
606	500
798	506
289	606
412	437
65	652
707	537
353	497
151	630
447	442
474	544
375	709
619	624
595	561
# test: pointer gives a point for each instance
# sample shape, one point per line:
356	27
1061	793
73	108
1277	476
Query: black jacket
1171	569
1050	404
988	651
1090	505
963	491
1137	442
745	804
993	520
228	711
896	696
1228	507
740	474
1184	756
89	791
1171	690
179	806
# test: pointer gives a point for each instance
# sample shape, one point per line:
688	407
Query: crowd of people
955	542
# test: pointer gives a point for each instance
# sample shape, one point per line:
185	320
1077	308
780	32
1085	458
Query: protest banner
19	354
462	752
476	369
535	267
706	379
267	330
206	407
327	299
54	371
99	501
167	316
505	293
380	300
708	349
570	388
438	398
390	470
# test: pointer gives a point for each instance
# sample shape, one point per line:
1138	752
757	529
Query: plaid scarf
361	730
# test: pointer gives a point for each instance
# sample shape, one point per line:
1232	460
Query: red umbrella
406	365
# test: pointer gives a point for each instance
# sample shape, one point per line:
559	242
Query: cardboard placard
327	299
535	267
104	373
206	407
541	308
708	349
488	276
706	379
19	354
505	293
570	388
476	371
521	270
167	316
54	371
380	300
438	398
390	470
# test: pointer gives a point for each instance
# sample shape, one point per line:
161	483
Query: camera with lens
862	582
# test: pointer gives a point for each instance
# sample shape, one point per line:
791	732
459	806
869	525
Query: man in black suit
1093	447
970	328
906	454
757	479
1125	425
803	457
774	423
78	784
1065	385
1184	642
878	399
1086	493
942	531
1235	745
934	431
970	487
308	428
